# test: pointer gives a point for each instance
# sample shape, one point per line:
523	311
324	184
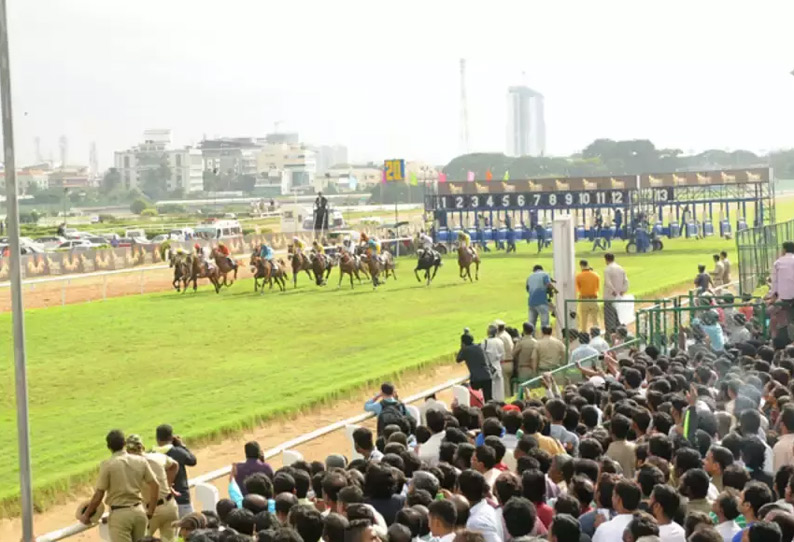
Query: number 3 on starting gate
394	170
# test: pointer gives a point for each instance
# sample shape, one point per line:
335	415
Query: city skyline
617	70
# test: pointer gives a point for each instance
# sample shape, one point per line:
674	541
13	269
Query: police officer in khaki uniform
120	481
164	469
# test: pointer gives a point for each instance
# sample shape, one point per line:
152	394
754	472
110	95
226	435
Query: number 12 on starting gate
394	169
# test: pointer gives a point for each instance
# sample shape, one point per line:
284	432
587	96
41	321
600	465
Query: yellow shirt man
588	285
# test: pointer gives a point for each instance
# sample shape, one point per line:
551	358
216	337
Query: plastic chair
461	393
290	456
414	413
207	495
349	432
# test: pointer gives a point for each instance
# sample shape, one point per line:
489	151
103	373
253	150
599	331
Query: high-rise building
526	126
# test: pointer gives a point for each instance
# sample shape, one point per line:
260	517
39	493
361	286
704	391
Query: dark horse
199	269
225	264
321	267
467	256
181	264
266	271
299	263
427	259
377	263
349	265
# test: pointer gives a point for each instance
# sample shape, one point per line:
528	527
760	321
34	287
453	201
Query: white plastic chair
414	413
290	456
207	495
461	393
349	433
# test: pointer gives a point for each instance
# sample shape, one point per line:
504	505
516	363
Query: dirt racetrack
80	289
268	435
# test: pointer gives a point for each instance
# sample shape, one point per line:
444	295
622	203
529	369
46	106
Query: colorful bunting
413	179
507	175
488	175
470	176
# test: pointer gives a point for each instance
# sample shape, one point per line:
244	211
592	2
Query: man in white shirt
482	517
442	518
597	341
507	358
431	403
428	451
625	500
364	445
484	461
726	508
783	452
616	284
664	504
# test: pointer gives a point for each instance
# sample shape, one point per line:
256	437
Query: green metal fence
757	249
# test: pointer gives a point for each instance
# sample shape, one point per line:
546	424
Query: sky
382	78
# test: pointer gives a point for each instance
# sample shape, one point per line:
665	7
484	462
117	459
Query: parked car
23	249
77	244
97	240
163	237
50	242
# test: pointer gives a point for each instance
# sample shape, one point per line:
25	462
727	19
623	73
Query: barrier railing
75	529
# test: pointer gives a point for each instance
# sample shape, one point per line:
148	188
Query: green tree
111	180
138	206
211	181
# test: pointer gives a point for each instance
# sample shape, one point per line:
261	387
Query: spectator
334	528
641	528
479	370
695	487
532	426
443	516
484	462
664	505
429	450
784	448
482	517
625	500
522	352
726	508
517	514
557	410
380	491
364	445
538	287
753	497
534	488
172	446
616	284
253	463
587	285
717	460
431	403
620	450
782	287
549	352
597	341
494	354
507	358
763	531
584	351
564	528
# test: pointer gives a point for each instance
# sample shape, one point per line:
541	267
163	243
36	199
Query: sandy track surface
269	435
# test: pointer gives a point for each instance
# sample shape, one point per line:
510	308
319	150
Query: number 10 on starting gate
395	170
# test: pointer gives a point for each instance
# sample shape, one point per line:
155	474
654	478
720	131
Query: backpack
395	414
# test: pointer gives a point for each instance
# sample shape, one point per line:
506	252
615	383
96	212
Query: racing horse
265	270
349	265
199	269
427	259
225	264
376	264
180	263
299	263
467	256
321	267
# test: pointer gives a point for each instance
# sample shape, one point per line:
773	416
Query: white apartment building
185	165
298	161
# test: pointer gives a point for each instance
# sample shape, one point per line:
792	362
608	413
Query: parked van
183	234
218	229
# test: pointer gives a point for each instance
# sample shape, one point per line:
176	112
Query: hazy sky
382	77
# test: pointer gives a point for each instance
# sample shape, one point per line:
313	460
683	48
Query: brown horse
265	270
388	265
376	264
467	256
321	267
181	265
299	263
199	269
225	264
348	265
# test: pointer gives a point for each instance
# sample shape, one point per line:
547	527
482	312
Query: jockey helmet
197	246
220	244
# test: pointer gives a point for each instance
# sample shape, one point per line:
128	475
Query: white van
183	234
218	229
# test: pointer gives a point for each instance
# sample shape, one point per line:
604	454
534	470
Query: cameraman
479	372
173	447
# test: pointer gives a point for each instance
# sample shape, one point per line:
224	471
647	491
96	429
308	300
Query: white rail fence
207	494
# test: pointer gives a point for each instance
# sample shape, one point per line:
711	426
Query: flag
488	175
383	177
442	177
470	176
414	180
507	175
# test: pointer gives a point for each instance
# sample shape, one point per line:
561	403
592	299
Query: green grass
212	364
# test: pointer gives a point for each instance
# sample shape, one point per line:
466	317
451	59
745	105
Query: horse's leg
477	270
294	278
416	274
351	280
341	276
394	273
435	270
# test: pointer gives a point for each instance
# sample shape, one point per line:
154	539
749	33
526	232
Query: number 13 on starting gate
395	170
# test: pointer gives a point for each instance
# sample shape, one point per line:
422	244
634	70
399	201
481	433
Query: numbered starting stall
670	204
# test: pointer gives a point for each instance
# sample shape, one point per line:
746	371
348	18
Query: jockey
202	255
297	245
223	249
317	247
266	252
373	246
425	241
464	239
